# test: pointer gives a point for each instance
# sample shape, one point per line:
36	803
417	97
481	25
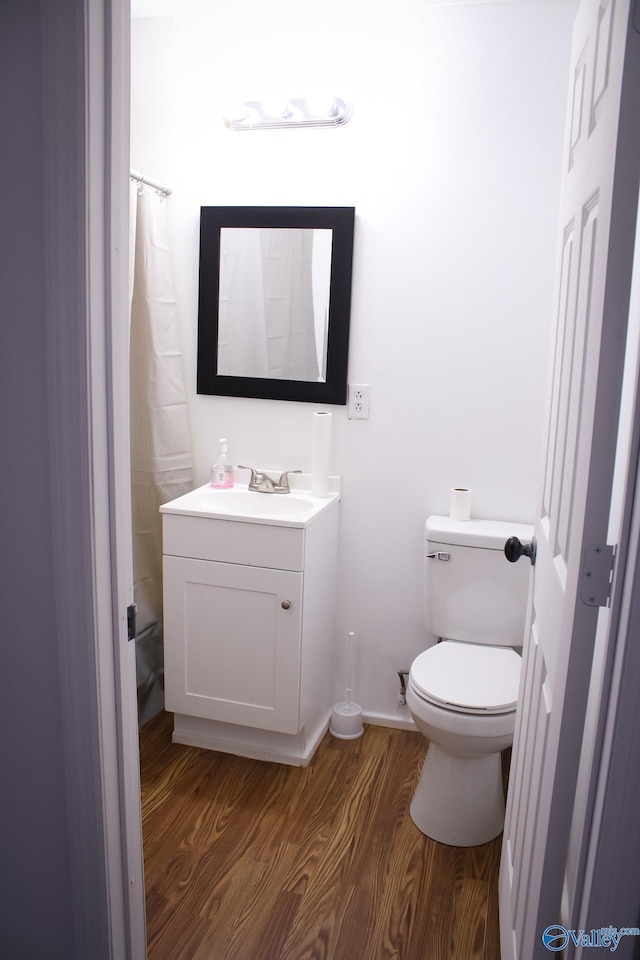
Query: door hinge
597	575
132	610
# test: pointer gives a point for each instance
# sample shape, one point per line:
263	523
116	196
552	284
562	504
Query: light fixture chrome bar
295	112
136	175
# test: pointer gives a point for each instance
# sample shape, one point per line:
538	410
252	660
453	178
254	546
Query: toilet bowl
463	691
459	799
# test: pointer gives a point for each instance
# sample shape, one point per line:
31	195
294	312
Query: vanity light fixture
295	112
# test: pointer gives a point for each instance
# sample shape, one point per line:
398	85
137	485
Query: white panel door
232	643
597	219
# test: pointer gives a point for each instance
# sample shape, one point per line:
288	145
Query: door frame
612	839
85	50
115	146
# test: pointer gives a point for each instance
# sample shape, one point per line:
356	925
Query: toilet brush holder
346	716
346	720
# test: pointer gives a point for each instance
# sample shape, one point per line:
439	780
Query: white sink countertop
296	509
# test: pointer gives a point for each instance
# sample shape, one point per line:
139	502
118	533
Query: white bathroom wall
452	161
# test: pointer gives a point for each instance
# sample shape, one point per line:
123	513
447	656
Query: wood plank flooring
246	860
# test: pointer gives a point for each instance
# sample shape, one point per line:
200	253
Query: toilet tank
471	591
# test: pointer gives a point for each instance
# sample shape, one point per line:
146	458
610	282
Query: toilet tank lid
490	534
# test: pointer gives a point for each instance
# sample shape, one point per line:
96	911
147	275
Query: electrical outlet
358	408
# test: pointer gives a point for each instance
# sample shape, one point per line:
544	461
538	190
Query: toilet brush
346	717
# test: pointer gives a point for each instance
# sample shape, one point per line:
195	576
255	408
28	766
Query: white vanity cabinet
248	626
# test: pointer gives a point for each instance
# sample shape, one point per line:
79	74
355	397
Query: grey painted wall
36	906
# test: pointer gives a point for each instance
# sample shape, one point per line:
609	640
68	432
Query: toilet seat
468	678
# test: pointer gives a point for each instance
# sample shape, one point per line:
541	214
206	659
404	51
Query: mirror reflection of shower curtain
161	460
288	299
266	325
242	336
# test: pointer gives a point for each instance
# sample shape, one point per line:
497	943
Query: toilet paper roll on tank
460	503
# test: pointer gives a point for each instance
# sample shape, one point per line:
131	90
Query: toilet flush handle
514	549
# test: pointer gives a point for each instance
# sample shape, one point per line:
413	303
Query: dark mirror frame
341	221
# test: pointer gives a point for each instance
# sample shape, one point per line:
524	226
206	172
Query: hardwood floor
246	860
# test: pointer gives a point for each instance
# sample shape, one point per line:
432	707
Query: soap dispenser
222	471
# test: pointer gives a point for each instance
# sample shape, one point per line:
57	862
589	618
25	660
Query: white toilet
462	692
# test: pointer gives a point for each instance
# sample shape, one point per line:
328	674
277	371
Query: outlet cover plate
359	401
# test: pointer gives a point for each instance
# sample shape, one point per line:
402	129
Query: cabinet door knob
285	604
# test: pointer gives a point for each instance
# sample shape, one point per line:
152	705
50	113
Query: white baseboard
385	720
294	750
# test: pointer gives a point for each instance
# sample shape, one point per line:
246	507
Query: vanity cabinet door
232	643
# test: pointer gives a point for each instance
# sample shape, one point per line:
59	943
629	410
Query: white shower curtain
161	461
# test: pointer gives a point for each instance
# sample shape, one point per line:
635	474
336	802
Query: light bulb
276	108
236	112
323	106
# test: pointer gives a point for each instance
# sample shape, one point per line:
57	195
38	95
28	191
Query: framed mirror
274	302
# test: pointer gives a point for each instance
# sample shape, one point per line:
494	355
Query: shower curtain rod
136	175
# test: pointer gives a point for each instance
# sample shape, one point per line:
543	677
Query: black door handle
514	549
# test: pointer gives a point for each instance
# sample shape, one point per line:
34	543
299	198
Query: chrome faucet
261	482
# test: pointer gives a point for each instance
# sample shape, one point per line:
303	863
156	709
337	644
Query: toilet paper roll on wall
460	503
320	454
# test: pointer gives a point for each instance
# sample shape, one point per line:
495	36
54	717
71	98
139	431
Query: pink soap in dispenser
222	471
